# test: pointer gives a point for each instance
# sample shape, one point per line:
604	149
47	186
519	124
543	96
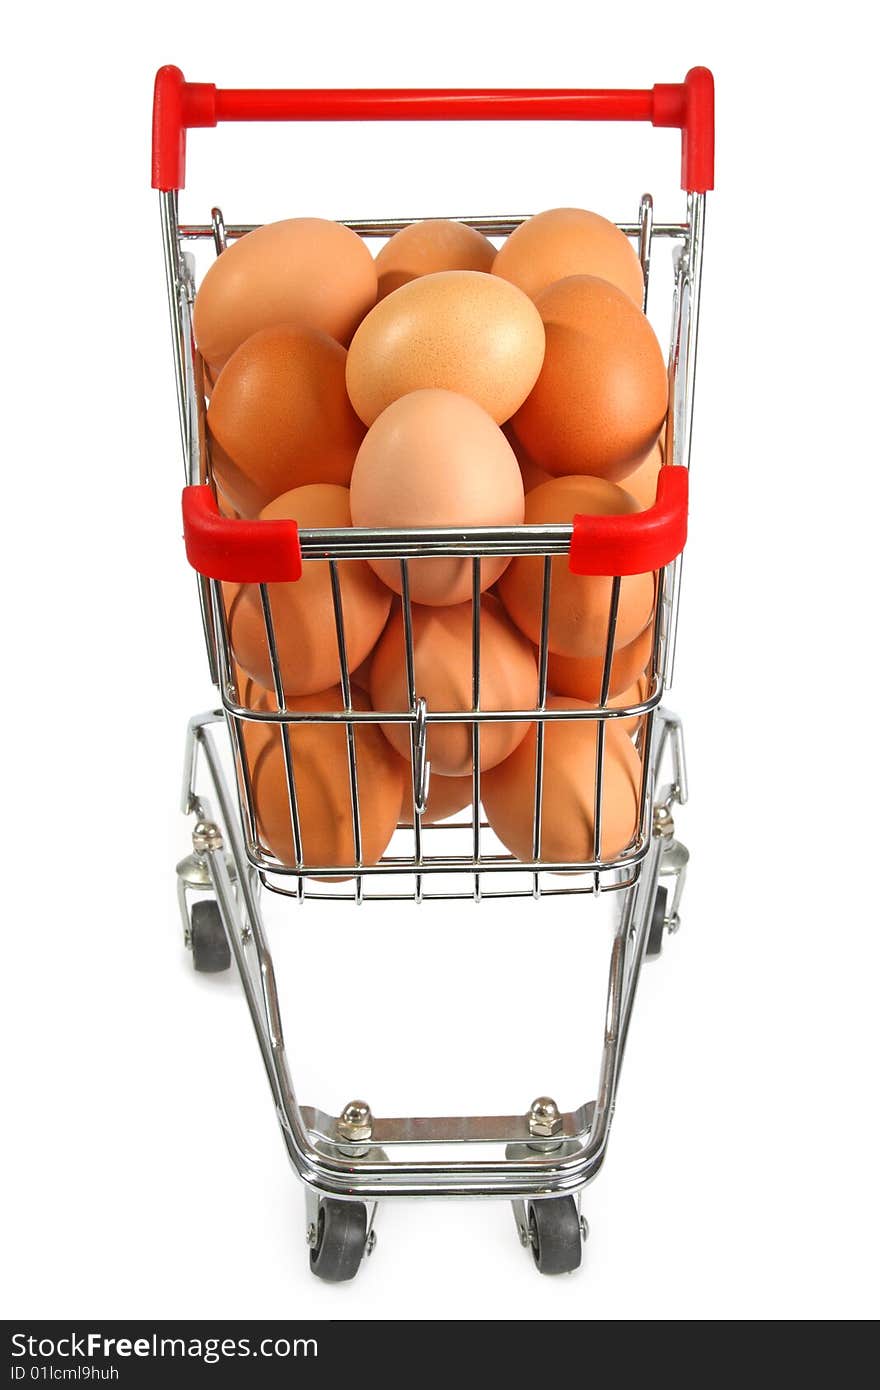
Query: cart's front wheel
210	947
555	1234
338	1241
658	924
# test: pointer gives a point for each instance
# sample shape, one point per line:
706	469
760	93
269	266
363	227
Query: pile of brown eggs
440	384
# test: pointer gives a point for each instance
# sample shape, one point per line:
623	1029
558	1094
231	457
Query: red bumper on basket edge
243	552
639	542
267	552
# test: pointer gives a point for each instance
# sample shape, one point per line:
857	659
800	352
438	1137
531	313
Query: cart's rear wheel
210	947
658	921
555	1235
339	1240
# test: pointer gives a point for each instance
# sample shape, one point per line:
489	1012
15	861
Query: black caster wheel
210	947
655	935
555	1235
338	1241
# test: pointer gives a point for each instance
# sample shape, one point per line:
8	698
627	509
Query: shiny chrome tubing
178	286
360	543
172	256
686	318
500	226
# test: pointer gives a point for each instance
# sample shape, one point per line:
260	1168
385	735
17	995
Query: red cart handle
688	106
265	552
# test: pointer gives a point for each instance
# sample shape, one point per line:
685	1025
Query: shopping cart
543	1157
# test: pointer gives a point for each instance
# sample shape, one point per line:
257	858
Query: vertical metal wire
349	727
696	224
646	232
648	719
181	342
171	250
418	791
543	656
229	686
659	634
687	326
601	724
475	727
224	644
284	729
240	750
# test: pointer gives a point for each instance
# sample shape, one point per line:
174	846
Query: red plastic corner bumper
243	552
639	542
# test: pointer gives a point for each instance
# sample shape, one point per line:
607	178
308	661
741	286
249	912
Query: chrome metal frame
238	865
318	1152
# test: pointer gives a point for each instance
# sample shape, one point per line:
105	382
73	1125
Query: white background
143	1172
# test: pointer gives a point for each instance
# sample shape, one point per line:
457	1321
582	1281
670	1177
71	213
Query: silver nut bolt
544	1118
206	836
311	1235
664	825
356	1122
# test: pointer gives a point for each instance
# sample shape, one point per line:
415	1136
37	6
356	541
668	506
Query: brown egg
434	458
360	676
224	506
426	247
204	377
281	417
319	755
569	241
304	270
531	474
458	330
642	484
232	593
442	650
446	797
569	792
583	678
255	735
579	604
635	695
600	400
302	612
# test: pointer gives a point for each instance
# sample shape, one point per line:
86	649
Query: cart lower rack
544	1156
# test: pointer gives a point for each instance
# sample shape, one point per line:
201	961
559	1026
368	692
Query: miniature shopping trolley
543	1157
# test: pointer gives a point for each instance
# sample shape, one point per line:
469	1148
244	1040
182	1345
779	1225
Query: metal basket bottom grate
452	877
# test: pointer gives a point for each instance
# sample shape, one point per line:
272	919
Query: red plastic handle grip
243	552
266	552
637	543
689	106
